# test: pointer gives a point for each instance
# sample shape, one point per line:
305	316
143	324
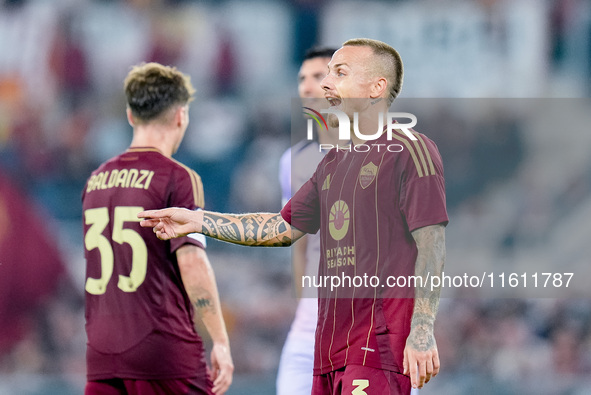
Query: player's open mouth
333	101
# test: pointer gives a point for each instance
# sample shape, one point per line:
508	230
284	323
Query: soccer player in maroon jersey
380	214
142	293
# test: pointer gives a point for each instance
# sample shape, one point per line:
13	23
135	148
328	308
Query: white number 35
98	219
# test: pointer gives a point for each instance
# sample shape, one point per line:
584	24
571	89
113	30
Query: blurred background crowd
502	86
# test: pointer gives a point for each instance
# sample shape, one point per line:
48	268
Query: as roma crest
367	175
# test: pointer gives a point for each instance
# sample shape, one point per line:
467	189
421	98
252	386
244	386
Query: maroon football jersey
139	319
366	204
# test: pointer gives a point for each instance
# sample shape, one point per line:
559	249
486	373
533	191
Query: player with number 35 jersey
141	292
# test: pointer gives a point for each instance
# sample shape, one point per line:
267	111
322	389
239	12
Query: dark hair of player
151	89
319	52
390	64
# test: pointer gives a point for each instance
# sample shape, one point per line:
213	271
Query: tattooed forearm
261	229
430	260
204	305
220	227
203	300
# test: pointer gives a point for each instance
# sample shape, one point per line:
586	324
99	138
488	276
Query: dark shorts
361	380
149	387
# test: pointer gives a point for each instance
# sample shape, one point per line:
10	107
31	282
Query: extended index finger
150	214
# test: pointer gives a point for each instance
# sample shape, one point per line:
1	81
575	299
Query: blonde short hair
389	66
151	89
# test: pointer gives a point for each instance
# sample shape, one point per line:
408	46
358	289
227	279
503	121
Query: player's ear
179	116
130	117
378	88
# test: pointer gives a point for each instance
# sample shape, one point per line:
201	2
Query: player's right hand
171	222
222	368
421	357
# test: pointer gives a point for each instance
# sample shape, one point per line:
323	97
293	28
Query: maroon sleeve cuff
286	212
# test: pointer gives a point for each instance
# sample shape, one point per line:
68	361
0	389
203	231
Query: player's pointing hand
172	222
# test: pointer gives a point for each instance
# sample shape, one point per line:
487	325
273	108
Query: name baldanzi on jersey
124	178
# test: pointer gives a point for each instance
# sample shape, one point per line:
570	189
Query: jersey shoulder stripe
427	153
411	150
195	182
418	151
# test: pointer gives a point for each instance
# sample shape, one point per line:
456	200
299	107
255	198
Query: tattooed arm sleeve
430	260
260	229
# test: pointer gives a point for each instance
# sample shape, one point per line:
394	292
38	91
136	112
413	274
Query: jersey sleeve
187	192
303	210
422	194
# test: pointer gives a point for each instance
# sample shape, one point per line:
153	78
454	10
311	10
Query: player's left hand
222	368
421	358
